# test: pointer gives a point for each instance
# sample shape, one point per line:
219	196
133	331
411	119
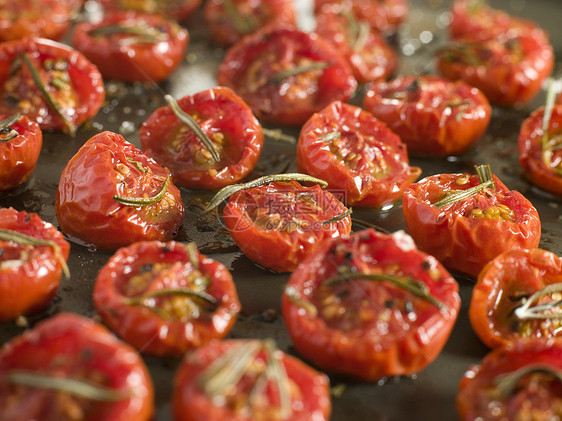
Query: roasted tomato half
278	224
20	145
33	256
50	82
132	47
248	380
285	75
230	20
432	115
111	195
540	156
359	157
518	296
179	10
165	298
508	70
519	381
69	367
370	305
228	122
465	233
366	50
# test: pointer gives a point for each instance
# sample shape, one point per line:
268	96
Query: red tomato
230	20
179	10
71	81
498	309
432	115
467	234
84	354
271	385
508	70
356	154
131	46
393	323
278	224
285	75
229	123
111	195
542	161
165	298
519	381
30	267
366	51
20	146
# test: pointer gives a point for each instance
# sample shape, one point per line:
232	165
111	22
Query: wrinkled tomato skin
530	147
359	185
87	83
29	287
18	156
248	65
477	398
189	403
145	329
283	249
69	345
223	29
389	342
423	118
501	284
218	111
179	10
101	169
140	61
458	241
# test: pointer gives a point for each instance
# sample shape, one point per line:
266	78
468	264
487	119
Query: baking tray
429	395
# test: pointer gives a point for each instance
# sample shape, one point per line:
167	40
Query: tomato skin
87	83
18	156
101	169
69	345
217	111
477	398
29	287
457	240
423	118
248	65
223	28
146	330
179	10
268	242
189	403
389	342
360	131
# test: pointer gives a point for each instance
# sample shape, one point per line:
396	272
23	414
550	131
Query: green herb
317	65
137	165
277	134
549	145
141	34
338	217
243	24
6	131
295	297
486	180
461	105
144	201
506	383
330	137
530	310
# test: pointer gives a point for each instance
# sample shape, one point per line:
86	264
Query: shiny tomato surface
541	158
20	146
278	224
345	322
165	298
504	286
519	381
255	394
74	84
230	20
92	186
29	274
358	155
285	75
432	115
179	10
131	46
71	347
229	123
467	234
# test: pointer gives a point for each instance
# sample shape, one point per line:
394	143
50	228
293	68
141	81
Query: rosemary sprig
144	201
358	31
317	65
277	134
141	34
295	297
507	382
193	126
137	165
338	217
530	311
549	106
331	136
243	24
276	371
6	131
228	191
486	180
